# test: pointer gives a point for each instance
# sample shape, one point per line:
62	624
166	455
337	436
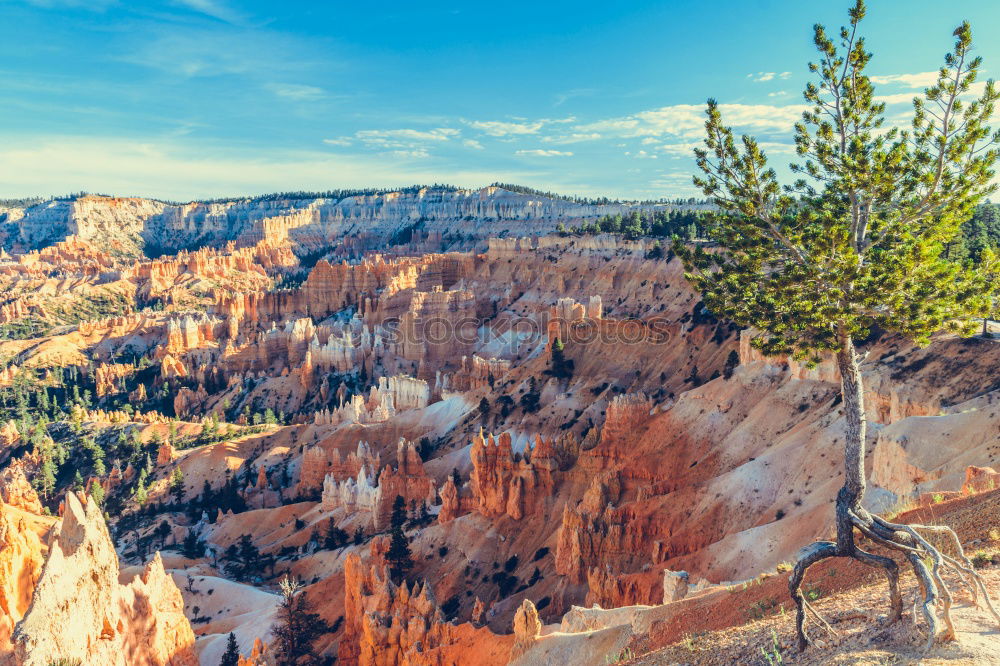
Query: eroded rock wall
79	610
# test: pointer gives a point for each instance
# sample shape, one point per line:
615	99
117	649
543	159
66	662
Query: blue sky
186	99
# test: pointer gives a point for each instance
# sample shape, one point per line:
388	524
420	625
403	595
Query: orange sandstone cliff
80	610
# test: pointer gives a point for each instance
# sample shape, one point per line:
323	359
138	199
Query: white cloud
418	153
503	128
777	147
339	141
779	93
688	120
472	143
544	153
897	98
296	92
685	149
514	127
762	77
439	134
405	142
575	137
919	80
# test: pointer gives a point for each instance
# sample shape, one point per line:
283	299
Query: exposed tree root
928	562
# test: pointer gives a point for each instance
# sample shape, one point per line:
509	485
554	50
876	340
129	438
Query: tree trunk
926	560
854	414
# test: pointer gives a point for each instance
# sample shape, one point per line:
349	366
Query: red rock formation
138	396
474	373
449	502
977	480
594	532
8	374
567	313
108	377
187	401
408	480
8	435
686	478
507	483
258	655
165	454
612	589
250	263
438	325
527	628
980	479
113	327
624	414
388	397
80	610
477	612
171	367
15	489
330	288
22	553
388	625
190	332
317	464
101	416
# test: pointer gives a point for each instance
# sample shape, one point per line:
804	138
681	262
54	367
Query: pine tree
205	499
335	537
855	245
298	627
530	400
162	532
400	561
231	657
192	547
990	276
243	559
177	485
46	480
560	367
656	252
141	494
97	493
732	361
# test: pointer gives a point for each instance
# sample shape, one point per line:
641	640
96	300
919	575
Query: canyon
204	399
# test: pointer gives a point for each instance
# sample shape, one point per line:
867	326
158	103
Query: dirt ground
862	637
